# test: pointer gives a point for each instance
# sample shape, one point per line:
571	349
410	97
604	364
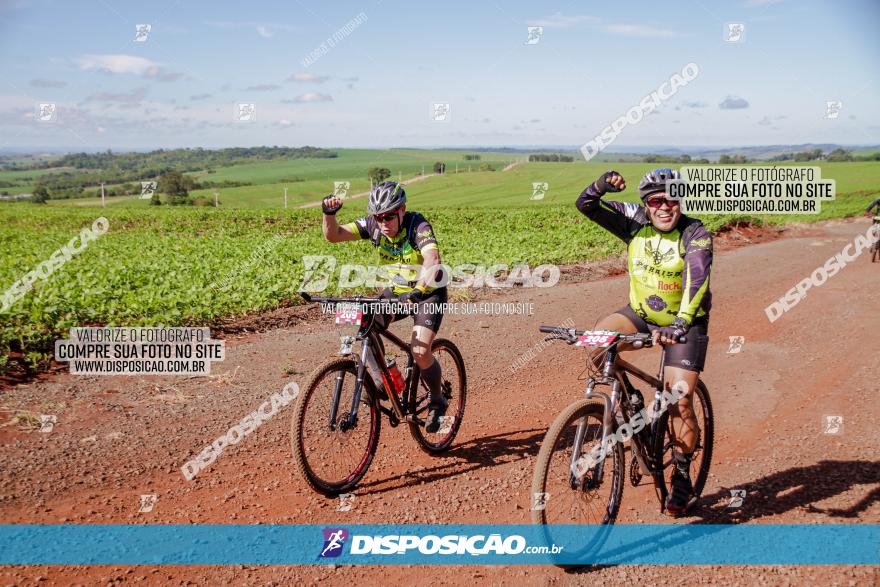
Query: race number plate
599	338
348	314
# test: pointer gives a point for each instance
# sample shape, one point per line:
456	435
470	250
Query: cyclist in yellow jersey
669	257
409	255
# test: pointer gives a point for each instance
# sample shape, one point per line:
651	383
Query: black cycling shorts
690	355
427	313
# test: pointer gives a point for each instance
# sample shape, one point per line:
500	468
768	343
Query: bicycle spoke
333	457
581	504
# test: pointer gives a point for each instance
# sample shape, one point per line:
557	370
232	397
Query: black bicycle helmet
655	181
386	196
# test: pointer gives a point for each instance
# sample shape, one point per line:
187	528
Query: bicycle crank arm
413	419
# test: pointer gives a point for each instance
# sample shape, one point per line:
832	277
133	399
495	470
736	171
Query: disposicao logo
334	539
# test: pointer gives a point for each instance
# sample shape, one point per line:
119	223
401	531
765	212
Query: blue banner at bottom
757	544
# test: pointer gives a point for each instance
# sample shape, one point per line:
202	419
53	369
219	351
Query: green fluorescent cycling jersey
669	272
401	259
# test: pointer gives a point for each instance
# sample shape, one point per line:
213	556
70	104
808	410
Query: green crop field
476	188
307	180
157	265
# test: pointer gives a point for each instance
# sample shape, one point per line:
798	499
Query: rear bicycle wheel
702	455
454	385
559	495
333	456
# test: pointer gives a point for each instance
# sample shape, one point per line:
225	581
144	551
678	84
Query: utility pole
103	203
456	167
285	197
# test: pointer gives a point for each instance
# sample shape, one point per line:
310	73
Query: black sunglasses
385	217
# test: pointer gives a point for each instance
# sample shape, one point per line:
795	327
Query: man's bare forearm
331	228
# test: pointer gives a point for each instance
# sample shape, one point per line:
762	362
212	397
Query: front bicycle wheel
561	495
454	385
331	453
702	455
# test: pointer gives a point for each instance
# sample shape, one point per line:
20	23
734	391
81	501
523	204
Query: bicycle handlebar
355	300
570	335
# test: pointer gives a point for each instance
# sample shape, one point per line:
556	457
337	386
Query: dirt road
120	437
405	182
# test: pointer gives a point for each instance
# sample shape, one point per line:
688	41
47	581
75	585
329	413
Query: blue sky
376	86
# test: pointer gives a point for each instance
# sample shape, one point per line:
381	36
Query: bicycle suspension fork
351	421
607	417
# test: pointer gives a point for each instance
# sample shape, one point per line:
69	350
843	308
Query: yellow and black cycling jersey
401	258
668	271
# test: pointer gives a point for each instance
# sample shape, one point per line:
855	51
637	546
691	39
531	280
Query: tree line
92	169
552	157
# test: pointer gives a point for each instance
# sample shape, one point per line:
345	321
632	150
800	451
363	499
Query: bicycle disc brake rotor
589	481
342	424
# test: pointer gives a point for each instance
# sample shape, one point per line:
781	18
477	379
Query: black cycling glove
415	296
676	330
327	209
602	185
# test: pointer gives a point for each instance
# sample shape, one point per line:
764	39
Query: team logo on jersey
656	303
702	243
659	257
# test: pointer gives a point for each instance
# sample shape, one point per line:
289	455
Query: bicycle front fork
578	469
349	421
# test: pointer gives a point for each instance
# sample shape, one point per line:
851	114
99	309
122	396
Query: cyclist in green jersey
409	255
669	257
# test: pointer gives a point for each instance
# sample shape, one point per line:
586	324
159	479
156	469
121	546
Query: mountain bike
336	423
577	483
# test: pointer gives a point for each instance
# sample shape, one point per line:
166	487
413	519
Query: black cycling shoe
682	497
436	411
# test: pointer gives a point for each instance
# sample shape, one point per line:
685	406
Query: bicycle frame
371	346
613	374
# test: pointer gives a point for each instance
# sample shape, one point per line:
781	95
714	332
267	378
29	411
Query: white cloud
560	21
127	64
116	63
309	77
47	83
310	97
130	100
265	30
733	103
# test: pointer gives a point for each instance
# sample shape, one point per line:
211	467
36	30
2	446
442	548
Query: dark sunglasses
385	217
657	202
